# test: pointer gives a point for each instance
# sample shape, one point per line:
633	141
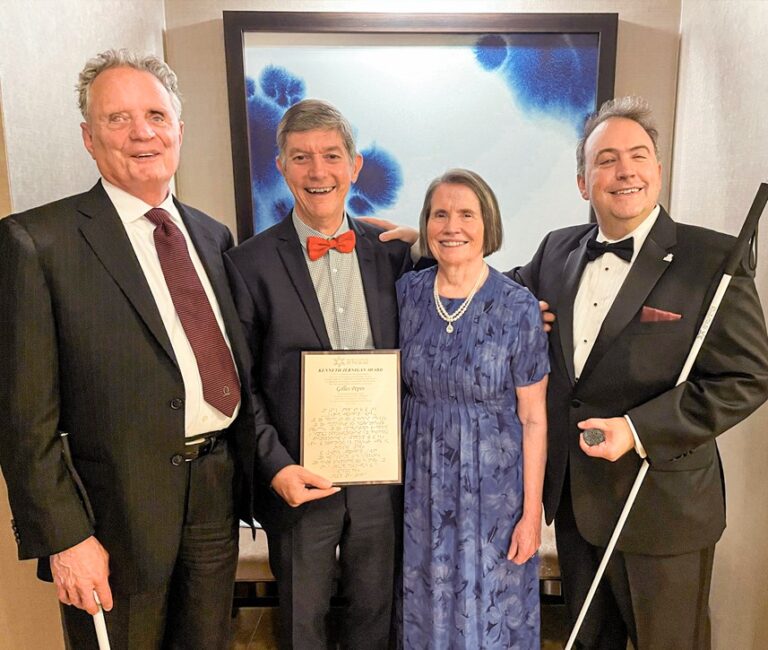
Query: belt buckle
203	449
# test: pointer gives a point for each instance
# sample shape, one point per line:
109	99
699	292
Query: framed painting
502	94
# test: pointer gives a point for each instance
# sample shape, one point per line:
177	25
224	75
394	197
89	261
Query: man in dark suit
627	316
120	402
319	280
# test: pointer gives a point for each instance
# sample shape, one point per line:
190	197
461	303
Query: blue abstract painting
509	106
546	74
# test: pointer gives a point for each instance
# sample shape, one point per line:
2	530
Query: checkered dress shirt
339	288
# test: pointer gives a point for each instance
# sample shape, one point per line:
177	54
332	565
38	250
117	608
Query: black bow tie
623	249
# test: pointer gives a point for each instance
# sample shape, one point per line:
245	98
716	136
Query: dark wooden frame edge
237	23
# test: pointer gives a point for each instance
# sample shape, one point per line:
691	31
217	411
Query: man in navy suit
119	432
630	294
319	280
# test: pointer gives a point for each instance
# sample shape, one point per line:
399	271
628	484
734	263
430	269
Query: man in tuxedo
319	280
120	397
630	294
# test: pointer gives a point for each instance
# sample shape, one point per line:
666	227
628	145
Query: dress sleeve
48	512
530	351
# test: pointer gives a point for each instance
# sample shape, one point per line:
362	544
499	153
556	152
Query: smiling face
455	227
622	177
319	173
133	133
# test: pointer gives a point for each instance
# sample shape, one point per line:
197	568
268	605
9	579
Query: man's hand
78	570
297	485
547	317
392	230
526	539
618	438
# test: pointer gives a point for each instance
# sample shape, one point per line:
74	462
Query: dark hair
629	108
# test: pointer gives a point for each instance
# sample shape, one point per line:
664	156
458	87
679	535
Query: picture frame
351	429
507	68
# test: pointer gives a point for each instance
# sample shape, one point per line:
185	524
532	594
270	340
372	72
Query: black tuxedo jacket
632	369
84	351
281	315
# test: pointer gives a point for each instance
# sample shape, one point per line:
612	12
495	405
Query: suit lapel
648	267
210	254
106	236
366	261
292	255
574	267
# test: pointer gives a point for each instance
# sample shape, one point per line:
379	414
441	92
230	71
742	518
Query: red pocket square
653	315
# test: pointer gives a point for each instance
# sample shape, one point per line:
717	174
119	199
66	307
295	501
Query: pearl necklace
452	318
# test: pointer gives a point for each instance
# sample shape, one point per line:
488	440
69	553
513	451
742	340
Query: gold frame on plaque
350	416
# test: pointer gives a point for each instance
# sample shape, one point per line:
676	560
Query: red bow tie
319	246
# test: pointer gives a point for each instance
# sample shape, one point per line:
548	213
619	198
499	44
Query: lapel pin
668	257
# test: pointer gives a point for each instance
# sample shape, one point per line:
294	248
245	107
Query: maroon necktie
221	387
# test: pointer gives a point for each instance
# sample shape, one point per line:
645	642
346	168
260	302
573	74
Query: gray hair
126	59
489	208
310	114
629	108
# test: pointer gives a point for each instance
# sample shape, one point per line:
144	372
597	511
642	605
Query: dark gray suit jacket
281	315
84	351
632	369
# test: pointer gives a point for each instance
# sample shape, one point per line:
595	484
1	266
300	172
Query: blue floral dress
464	466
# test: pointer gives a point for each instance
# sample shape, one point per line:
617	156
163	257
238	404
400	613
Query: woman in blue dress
474	359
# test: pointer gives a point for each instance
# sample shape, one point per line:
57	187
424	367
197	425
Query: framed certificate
350	416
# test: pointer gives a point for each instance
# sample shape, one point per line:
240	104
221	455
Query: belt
206	446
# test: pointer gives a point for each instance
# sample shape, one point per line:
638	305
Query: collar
130	208
304	231
640	234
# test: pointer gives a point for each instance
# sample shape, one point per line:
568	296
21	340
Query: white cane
101	626
743	243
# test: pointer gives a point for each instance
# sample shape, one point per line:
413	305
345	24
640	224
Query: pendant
449	328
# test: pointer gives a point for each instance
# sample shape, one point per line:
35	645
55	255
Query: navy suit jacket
632	369
84	351
281	315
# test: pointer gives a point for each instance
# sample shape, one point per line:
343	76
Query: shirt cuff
638	445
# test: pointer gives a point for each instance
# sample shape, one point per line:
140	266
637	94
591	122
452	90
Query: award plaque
350	416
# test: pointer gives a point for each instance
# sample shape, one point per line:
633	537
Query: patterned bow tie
623	249
319	246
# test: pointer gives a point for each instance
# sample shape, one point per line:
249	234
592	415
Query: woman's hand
526	539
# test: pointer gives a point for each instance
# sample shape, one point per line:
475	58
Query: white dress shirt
199	416
599	285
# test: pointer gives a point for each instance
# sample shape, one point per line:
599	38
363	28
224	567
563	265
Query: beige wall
195	49
5	192
720	157
44	44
